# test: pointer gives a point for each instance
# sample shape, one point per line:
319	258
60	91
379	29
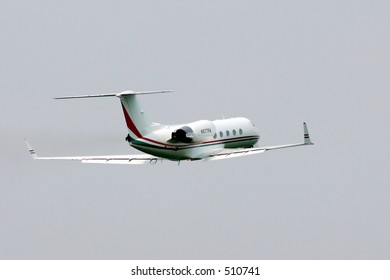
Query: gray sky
278	63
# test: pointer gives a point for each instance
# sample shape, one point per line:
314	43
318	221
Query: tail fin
136	121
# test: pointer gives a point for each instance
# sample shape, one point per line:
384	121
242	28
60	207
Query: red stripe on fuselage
130	123
201	143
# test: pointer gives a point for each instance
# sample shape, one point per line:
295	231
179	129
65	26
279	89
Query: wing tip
306	135
30	149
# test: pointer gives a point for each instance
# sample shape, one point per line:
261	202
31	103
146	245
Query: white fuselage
196	140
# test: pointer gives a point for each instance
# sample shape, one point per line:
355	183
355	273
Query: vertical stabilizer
136	120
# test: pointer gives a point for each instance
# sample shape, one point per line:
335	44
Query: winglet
306	135
31	150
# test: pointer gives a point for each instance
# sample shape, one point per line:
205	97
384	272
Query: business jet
201	140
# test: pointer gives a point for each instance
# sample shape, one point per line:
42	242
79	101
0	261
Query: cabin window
234	132
221	134
240	131
227	133
215	135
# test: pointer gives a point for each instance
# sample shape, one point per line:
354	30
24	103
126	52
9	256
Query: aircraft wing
109	159
148	159
231	153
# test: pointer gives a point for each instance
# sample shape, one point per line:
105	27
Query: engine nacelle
194	132
183	135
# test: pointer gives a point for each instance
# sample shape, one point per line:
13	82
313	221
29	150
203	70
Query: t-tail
136	121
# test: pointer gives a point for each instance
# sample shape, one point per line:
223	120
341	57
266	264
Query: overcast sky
278	63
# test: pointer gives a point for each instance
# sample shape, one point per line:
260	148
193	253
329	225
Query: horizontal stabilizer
118	94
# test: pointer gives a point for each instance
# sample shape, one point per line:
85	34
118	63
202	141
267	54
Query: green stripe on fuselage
178	147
